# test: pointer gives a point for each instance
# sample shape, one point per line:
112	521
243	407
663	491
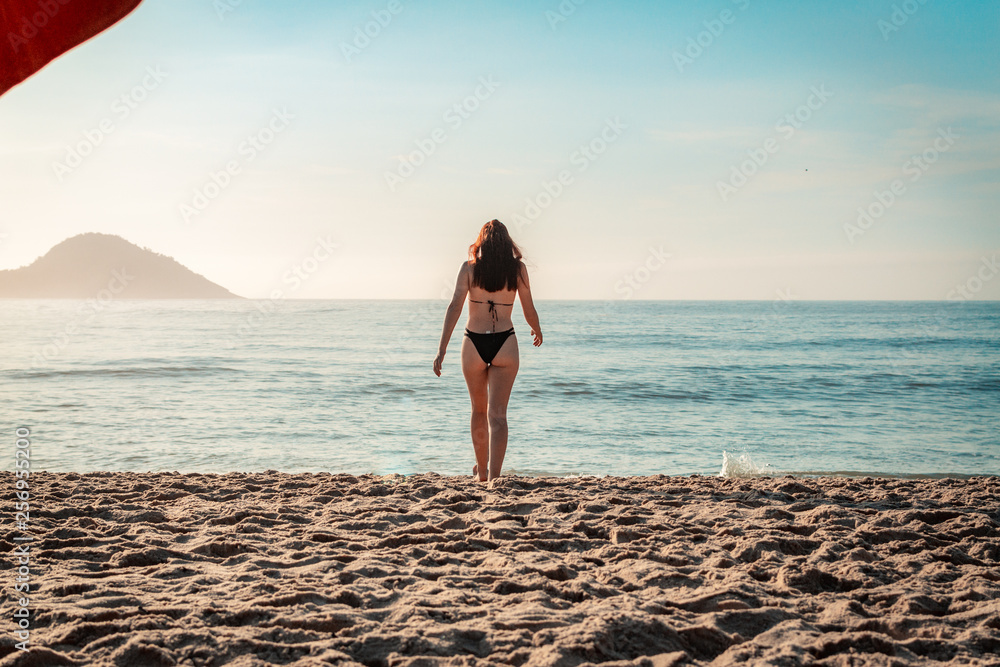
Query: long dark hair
495	258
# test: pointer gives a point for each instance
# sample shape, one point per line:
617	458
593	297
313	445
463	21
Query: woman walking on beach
491	278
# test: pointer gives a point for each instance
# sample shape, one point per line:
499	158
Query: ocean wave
743	466
123	372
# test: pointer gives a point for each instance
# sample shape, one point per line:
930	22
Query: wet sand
270	568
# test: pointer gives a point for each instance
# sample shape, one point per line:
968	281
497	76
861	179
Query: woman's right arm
454	312
527	305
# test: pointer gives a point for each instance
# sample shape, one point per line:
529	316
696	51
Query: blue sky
673	143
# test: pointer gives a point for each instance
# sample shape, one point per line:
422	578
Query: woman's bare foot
475	473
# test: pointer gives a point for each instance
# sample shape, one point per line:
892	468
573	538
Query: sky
731	149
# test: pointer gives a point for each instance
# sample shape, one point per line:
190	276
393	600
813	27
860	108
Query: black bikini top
493	306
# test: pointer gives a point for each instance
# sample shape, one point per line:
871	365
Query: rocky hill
82	266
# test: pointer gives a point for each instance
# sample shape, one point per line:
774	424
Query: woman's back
490	311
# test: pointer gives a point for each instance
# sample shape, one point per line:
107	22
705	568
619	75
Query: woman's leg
501	376
474	369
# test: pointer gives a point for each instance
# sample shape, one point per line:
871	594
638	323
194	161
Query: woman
491	278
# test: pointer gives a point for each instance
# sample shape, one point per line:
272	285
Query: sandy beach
249	569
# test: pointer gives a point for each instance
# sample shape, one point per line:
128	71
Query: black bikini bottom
488	344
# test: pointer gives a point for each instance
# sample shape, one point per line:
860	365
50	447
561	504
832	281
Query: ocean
618	387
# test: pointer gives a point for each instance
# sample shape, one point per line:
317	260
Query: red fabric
34	32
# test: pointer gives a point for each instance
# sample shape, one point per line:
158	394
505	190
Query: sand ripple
255	569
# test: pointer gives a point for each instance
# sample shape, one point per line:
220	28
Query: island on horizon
82	266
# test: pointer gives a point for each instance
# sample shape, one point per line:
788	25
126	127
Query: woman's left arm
452	315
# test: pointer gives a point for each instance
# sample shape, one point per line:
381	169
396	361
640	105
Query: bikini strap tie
493	307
